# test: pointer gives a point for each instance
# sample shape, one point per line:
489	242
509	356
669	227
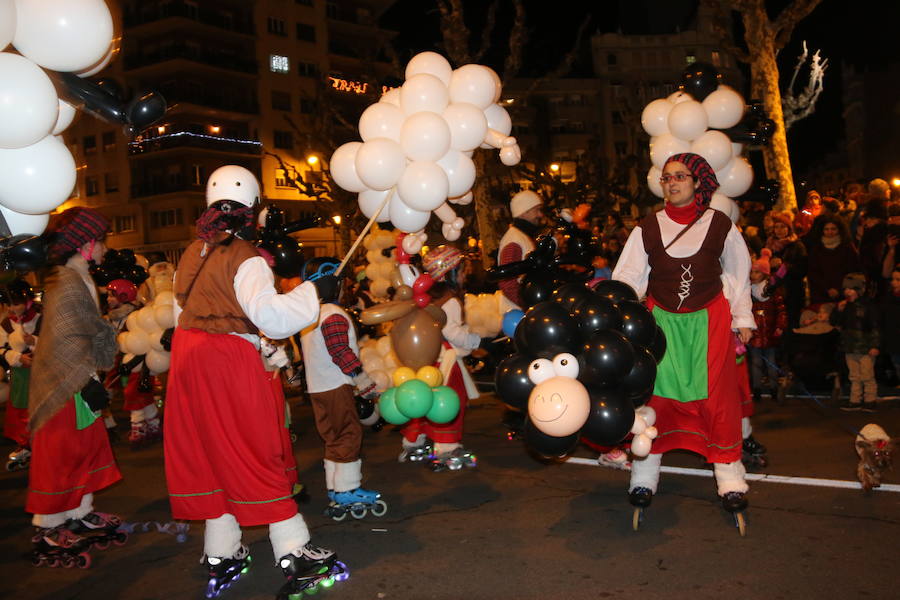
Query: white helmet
232	182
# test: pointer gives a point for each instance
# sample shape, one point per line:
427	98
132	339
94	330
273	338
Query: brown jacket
75	342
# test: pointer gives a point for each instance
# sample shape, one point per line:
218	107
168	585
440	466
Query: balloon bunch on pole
381	267
417	143
120	264
707	118
59	44
483	316
584	367
146	334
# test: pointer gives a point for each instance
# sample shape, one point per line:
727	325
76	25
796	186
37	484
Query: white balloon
665	145
382	381
423	186
16	341
653	118
679	97
425	136
640	445
64	119
138	342
101	64
475	84
63	35
36	179
20	223
407	219
498	119
724	107
122	341
423	92
431	63
146	319
164	316
723	203
343	167
370	200
380	162
7	22
735	178
381	120
460	172
131	322
736	149
28	103
715	147
379	287
687	120
653	183
467	124
648	414
383	345
463	199
164	298
392	96
156	340
157	362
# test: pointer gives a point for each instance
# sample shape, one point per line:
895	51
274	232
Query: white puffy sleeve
455	331
276	315
633	267
736	280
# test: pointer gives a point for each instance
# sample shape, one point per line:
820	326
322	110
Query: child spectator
771	321
856	318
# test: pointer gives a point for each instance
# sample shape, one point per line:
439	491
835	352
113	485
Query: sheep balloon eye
540	371
565	365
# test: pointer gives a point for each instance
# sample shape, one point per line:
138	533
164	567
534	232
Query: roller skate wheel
52	562
358	512
380	508
83	561
38	561
636	518
740	523
312	590
120	538
102	544
338	514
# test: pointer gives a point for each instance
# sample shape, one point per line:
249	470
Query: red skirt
67	463
134	398
15	424
710	427
224	433
448	433
290	463
743	382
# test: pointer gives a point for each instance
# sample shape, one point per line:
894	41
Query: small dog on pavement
875	449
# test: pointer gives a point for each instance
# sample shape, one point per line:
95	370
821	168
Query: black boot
734	501
640	497
751	446
307	568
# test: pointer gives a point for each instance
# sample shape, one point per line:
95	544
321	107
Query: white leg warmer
420	441
645	472
150	411
330	467
444	448
730	477
288	535
347	476
48	521
137	416
222	537
86	506
746	427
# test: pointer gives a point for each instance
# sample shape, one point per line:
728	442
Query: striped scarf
702	173
223	216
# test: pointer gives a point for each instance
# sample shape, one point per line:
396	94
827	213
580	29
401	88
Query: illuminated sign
348	85
279	64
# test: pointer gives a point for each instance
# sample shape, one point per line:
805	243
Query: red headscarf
702	173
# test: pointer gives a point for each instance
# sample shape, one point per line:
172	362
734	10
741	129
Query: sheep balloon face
559	404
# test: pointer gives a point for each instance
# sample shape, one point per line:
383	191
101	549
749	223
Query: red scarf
681	214
28	315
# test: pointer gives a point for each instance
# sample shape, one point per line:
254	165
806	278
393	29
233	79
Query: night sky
860	33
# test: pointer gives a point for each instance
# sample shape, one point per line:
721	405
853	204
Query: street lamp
895	181
312	160
555	168
336	219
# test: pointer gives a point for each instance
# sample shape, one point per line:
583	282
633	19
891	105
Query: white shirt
322	374
456	331
633	267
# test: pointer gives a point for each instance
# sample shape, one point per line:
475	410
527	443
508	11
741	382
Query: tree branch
487	32
517	38
454	32
723	36
784	24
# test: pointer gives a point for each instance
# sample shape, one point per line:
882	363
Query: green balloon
414	398
387	406
445	406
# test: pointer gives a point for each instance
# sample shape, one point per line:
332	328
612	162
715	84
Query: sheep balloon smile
559	404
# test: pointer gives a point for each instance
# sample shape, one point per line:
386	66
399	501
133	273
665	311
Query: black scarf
528	228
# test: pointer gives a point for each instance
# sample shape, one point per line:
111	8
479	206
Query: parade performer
445	266
526	208
693	266
224	454
23	324
71	456
334	376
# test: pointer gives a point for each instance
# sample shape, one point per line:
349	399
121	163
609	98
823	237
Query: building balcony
203	55
209	97
186	139
242	24
172	185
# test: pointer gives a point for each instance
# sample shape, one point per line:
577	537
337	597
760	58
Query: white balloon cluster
681	124
145	327
415	157
644	431
380	268
37	171
483	314
379	360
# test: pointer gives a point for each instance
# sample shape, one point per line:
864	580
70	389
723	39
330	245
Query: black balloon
700	80
610	419
85	94
25	252
511	381
286	255
570	294
102	275
547	445
135	274
146	109
638	384
606	358
596	313
615	290
658	347
127	257
364	408
537	287
546	329
638	324
112	87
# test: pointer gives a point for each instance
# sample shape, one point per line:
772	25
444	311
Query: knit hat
440	261
855	281
784	220
522	202
762	263
74	228
702	173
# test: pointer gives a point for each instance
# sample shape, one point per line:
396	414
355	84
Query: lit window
281	179
279	64
123	223
92	186
716	58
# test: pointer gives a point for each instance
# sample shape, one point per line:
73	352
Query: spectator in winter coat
789	265
831	256
771	321
855	317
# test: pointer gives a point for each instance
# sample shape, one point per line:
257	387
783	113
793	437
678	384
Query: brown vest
212	305
690	283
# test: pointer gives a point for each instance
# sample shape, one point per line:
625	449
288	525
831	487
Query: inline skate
357	503
736	503
99	529
59	547
309	568
640	498
753	454
416	453
19	459
223	572
454	460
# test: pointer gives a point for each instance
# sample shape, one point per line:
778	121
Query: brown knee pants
338	423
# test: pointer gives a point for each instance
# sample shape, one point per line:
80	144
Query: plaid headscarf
215	220
74	228
703	173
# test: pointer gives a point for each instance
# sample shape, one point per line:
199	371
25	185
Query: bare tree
799	106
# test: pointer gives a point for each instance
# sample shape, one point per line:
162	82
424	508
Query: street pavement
518	528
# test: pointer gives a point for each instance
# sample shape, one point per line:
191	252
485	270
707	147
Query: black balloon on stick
615	290
570	294
596	313
606	357
638	324
658	347
537	287
610	419
23	252
700	80
548	446
638	384
546	329
146	109
511	380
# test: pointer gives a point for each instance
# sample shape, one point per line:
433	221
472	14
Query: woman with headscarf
693	266
789	265
831	256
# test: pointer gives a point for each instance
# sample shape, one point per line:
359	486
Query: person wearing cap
693	266
224	455
856	317
526	208
71	455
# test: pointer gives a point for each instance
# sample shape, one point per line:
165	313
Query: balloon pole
365	230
